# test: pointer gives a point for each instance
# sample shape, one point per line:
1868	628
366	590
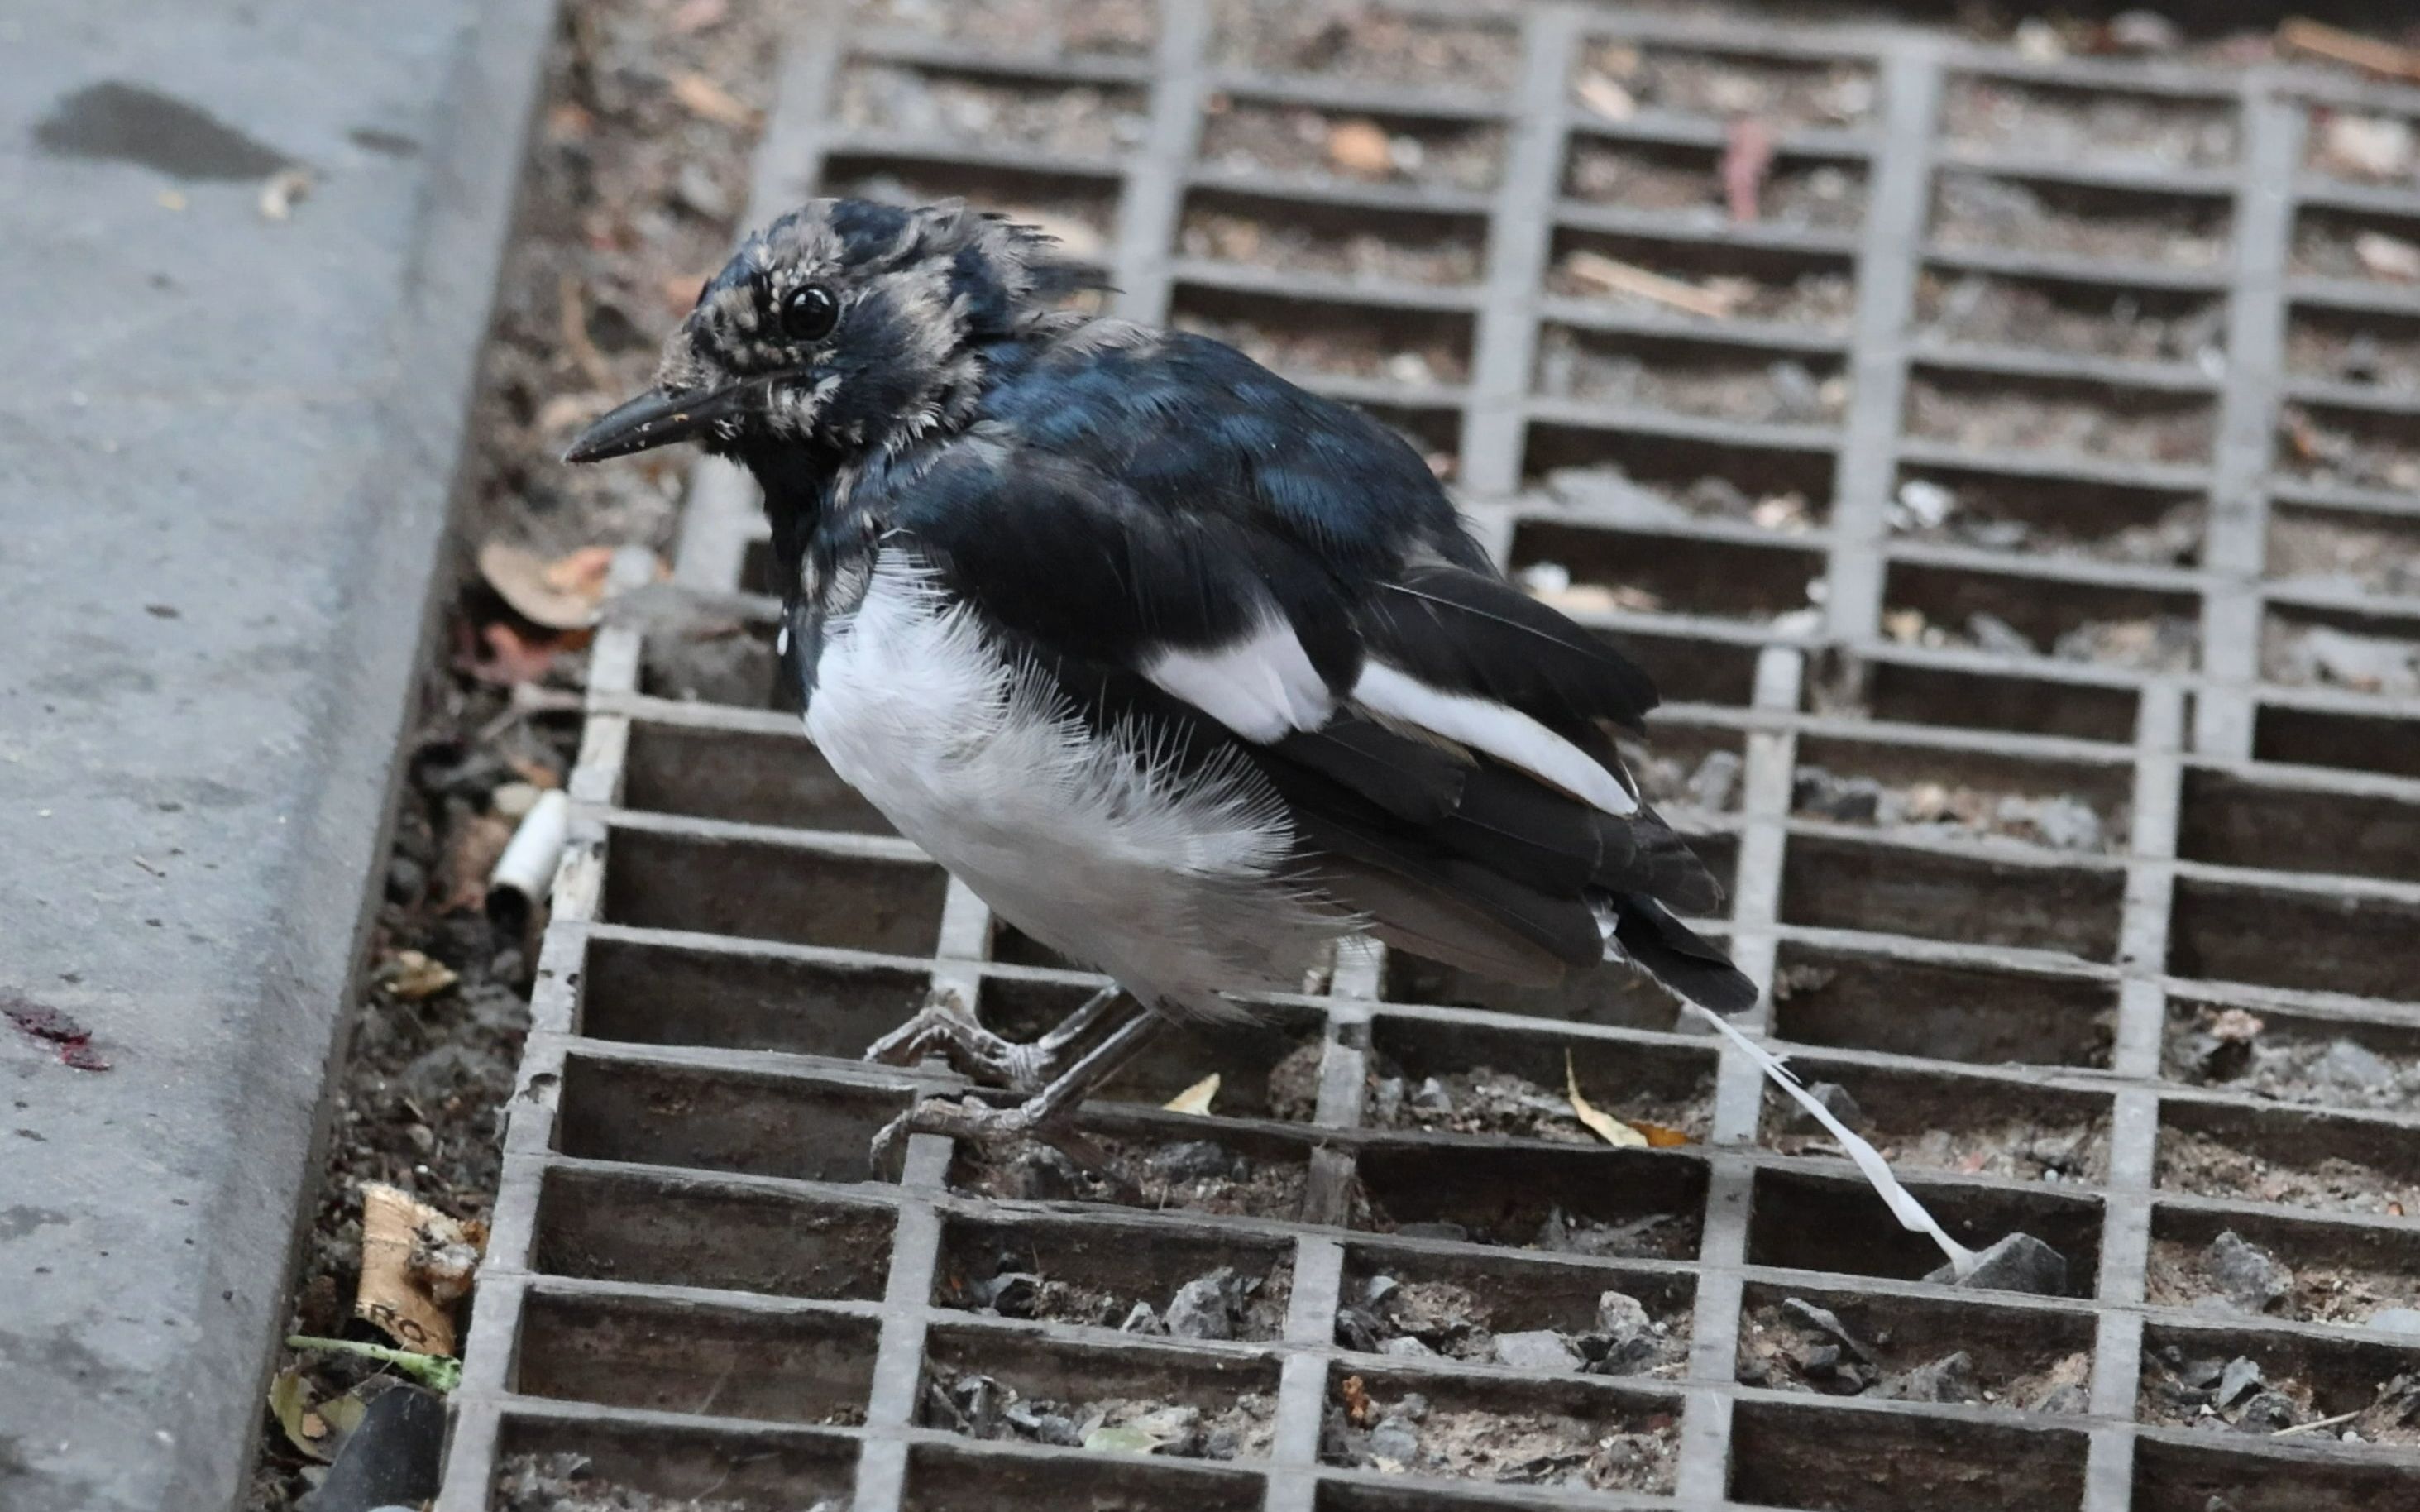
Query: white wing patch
1262	687
1506	734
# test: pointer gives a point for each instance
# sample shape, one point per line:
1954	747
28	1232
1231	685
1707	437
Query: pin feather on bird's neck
870	334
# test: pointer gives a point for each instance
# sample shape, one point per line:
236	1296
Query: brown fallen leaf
1196	1099
701	96
1611	1129
413	976
2315	38
505	657
561	594
1747	159
416	1262
472	849
1357	1399
1657	1135
1360	147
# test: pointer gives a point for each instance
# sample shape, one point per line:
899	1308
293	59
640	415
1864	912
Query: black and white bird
1185	671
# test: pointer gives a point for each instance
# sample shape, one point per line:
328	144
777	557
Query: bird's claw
943	1027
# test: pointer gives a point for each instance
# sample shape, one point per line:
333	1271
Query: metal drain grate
1951	387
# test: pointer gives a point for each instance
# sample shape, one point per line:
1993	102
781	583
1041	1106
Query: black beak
654	419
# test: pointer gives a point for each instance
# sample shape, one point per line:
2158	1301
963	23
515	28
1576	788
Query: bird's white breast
1085	840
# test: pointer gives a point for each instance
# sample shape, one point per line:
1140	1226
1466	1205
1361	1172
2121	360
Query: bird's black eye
809	312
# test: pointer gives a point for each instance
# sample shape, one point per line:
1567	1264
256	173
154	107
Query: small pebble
2240	1377
2017	1263
2268	1412
2248	1277
1205	1307
1395	1439
1404	1345
513	799
1536	1349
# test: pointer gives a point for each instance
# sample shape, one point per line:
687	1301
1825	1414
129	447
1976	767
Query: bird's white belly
1169	882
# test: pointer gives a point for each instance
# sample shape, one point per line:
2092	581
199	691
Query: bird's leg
943	1027
980	1123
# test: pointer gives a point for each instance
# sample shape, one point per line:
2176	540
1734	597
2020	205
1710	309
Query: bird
1188	672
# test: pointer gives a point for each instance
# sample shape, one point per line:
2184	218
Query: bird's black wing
1438	737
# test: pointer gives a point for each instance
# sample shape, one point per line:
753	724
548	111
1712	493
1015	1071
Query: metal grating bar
728	932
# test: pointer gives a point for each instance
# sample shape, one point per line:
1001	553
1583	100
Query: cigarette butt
525	872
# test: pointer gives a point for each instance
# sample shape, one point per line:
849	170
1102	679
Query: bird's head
842	326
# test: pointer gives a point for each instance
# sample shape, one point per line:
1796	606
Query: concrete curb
281	495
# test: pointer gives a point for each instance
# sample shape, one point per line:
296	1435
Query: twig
2299	34
434	1371
1627	278
1747	158
2323	1422
572	309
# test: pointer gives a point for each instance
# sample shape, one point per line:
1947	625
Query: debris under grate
1997	456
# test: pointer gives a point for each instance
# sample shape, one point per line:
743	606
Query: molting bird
1185	671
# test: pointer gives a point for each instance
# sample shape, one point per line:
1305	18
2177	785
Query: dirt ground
2191	1160
1218	1304
1421	1320
629	202
1196	1174
982	1407
1797	1345
1400	1431
2214	1391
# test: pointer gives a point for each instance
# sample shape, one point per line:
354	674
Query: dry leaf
283	192
561	594
416	1261
471	851
290	1402
1195	1098
1715	301
1658	1136
701	96
411	976
2388	257
1606	97
1360	147
1611	1129
1357	1399
511	658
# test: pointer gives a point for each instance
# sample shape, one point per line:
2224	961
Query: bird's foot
944	1027
966	1120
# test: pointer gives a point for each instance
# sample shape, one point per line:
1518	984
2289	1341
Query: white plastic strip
1903	1205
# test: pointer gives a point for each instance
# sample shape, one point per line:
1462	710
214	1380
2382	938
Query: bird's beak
653	419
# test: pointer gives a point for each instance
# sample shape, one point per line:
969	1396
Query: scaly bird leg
980	1123
943	1027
